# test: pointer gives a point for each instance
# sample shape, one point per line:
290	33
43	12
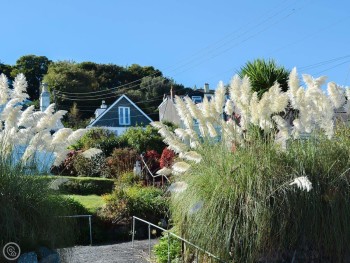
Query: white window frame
124	119
195	99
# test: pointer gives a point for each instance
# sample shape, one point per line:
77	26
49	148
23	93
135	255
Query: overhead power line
210	49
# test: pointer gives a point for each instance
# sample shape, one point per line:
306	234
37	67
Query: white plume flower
175	145
206	108
191	156
220	97
20	88
183	113
347	105
60	157
235	90
293	80
193	109
4	89
11	113
75	136
278	99
229	107
211	130
196	207
180	167
336	95
26	117
181	133
192	134
194	144
91	153
157	124
164	171
61	135
177	187
303	183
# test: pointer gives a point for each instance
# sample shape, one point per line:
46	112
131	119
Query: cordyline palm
263	74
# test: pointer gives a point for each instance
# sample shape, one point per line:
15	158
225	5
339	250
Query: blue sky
191	41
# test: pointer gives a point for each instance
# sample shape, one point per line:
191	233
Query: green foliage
127	179
161	249
29	212
263	74
93	167
5	69
34	68
239	205
143	139
67	77
127	201
80	185
98	138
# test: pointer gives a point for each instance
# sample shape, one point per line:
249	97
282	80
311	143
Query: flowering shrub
252	189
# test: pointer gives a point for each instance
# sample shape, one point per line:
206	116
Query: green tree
34	68
5	69
70	82
74	117
264	73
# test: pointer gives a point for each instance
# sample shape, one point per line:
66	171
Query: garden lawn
91	202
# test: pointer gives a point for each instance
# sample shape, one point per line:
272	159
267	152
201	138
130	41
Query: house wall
111	117
167	112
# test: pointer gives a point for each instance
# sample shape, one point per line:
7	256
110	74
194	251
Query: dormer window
197	99
124	115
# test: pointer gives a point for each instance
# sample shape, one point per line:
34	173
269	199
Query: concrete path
118	253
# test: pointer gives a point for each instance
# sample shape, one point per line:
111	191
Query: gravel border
117	253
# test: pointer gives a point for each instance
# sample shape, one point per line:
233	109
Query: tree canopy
34	68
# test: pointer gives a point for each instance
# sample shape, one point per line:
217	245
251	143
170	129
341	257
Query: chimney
100	110
206	88
171	93
103	105
44	97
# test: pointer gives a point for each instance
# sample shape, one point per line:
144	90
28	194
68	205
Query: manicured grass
91	202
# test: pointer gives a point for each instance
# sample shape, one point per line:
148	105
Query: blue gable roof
110	117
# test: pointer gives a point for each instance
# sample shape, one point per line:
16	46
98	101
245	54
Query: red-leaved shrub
152	160
167	158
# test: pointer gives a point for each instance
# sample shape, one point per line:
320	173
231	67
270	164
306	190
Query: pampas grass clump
259	191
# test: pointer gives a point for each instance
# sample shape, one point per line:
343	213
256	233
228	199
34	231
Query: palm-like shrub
247	197
263	74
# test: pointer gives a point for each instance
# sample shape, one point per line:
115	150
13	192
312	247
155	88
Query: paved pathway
118	253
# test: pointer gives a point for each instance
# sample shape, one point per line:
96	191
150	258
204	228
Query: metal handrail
149	171
90	225
169	233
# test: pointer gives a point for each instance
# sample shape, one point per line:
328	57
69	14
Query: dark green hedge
80	185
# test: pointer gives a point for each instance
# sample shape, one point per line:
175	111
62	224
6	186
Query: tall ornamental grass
269	183
30	142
